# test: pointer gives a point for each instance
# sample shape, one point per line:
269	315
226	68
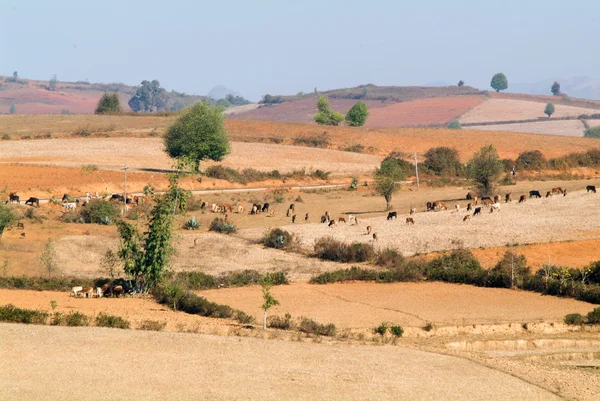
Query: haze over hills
581	87
220	92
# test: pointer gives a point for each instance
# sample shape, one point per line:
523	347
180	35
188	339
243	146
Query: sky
283	47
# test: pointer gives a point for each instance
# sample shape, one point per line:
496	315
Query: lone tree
443	161
555	89
326	116
549	110
499	82
388	176
461	83
270	301
357	115
14	78
49	258
484	168
198	134
12	109
7	218
53	83
149	97
109	103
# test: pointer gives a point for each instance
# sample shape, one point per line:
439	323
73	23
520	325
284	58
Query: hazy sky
282	47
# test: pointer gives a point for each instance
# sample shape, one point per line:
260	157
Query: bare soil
573	128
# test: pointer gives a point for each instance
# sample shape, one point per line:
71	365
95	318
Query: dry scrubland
573	128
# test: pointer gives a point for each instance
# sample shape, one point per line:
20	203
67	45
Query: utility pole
125	186
417	170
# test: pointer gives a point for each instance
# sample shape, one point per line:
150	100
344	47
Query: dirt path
49	363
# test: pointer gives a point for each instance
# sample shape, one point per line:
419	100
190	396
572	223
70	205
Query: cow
352	220
429	206
203	205
265	208
23	235
522	198
327	216
590	188
469	207
13	197
369	228
507	198
439	205
75	291
565	192
69	206
118	290
535	193
341	220
87	292
323	219
486	201
548	194
557	190
375	238
477	211
467	217
475	199
227	208
240	209
469	196
306	217
497	199
331	223
33	202
113	197
410	220
21	225
293	218
495	206
413	210
457	208
392	215
254	210
99	292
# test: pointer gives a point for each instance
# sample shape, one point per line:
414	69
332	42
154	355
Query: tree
326	116
7	218
531	160
52	84
461	83
110	262
14	78
357	115
511	270
484	168
454	124
109	103
149	97
270	301
499	82
198	134
555	89
392	170
592	132
12	109
443	161
49	258
549	110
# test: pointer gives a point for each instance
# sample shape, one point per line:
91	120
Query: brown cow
486	201
410	220
522	198
369	228
467	217
293	218
507	198
341	220
469	207
548	194
475	199
439	205
497	199
557	190
375	238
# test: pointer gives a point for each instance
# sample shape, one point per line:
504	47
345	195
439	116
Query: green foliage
12	109
381	329
461	83
392	170
198	134
282	323
574	319
14	78
110	263
53	83
149	97
499	82
192	224
99	211
45	284
325	115
109	103
7	218
269	300
555	89
357	115
309	326
11	314
454	124
549	110
443	161
196	280
269	100
353	184
49	258
460	266
397	330
107	320
592	132
531	160
278	239
484	168
152	325
65	112
510	271
317	141
593	317
236	100
219	225
77	319
328	248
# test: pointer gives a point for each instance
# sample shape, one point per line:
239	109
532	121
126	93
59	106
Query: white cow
75	290
69	205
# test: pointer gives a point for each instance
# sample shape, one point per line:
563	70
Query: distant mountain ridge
579	87
220	92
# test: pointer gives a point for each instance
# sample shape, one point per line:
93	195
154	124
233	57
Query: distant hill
34	97
219	92
579	87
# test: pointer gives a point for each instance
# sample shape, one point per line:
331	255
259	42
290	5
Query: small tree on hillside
198	134
555	89
326	116
357	115
109	103
269	300
484	168
461	83
549	110
53	83
443	161
499	82
7	218
12	109
49	258
149	97
531	160
388	176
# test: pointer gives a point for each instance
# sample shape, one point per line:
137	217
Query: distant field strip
572	128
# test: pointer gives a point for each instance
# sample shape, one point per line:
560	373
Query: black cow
477	211
265	208
590	188
535	193
33	201
392	215
323	219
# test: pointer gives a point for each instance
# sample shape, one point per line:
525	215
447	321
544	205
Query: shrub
381	329
278	239
593	132
328	248
11	314
531	160
282	323
510	267
320	174
593	317
108	103
221	226
106	320
192	224
357	115
152	325
356	148
443	161
309	326
317	141
397	330
428	326
99	211
390	257
594	273
574	319
454	124
460	266
77	319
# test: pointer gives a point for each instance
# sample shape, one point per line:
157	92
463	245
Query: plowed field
572	128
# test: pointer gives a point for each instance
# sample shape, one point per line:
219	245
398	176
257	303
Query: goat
392	215
495	206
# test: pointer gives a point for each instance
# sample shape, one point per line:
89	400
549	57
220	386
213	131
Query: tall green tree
388	176
357	115
461	83
499	82
549	110
149	97
555	89
325	115
7	218
269	300
109	103
198	134
484	168
443	161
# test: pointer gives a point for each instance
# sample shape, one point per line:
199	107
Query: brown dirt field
191	367
420	140
423	112
573	128
509	109
365	305
593	123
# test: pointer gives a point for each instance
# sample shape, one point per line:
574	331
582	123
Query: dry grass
573	128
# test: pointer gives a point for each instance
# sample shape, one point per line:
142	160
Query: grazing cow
477	211
327	216
87	292
203	205
292	207
548	194
341	220
522	198
113	197
486	201
23	235
497	199
410	220
470	196
69	205
254	210
323	219
293	218
495	206
429	206
20	225
375	238
369	228
99	292
331	223
33	201
352	220
240	209
475	199
565	192
413	210
118	290
265	208
13	197
535	193
469	207
507	198
557	190
227	208
439	205
306	218
467	217
392	215
75	291
590	188
105	289
457	208
258	207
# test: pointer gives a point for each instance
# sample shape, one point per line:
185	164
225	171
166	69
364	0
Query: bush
99	211
192	224
510	266
116	322
381	329
309	326
531	160
46	284
397	331
357	115
221	226
77	319
356	148
320	174
458	267
108	103
410	271
278	239
11	314
593	317
443	161
574	319
454	124
318	141
282	323
390	257
152	325
328	248
593	132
